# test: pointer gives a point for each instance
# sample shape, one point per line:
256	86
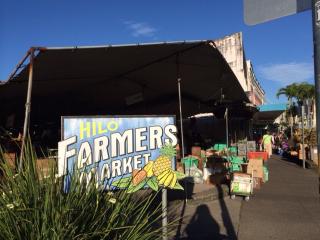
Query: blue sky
281	50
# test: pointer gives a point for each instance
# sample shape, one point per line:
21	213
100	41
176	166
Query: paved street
287	207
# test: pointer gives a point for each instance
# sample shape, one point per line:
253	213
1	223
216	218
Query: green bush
33	206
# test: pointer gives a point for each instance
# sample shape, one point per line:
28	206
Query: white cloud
287	73
140	29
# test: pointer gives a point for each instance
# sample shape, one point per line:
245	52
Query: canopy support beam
180	106
27	107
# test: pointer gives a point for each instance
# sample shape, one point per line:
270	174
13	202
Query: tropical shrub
34	206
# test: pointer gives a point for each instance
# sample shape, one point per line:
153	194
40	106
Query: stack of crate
251	146
242	149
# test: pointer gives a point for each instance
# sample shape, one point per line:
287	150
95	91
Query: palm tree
306	92
290	91
298	91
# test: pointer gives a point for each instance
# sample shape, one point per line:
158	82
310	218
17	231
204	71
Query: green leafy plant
34	206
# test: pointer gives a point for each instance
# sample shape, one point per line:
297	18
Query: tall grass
33	206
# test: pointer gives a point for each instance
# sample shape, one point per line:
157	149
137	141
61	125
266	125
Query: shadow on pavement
226	215
202	224
293	159
185	195
182	195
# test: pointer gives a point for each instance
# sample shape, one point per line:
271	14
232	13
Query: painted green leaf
122	183
178	187
133	188
180	175
152	183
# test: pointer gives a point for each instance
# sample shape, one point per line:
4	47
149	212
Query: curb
200	193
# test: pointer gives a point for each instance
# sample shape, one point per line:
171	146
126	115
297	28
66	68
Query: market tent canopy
123	79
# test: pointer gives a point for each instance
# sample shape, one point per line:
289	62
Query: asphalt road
286	208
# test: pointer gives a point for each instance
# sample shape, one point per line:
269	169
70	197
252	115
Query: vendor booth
177	78
110	80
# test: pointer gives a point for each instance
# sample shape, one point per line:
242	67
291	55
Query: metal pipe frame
27	107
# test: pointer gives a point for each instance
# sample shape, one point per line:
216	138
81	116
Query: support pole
303	149
227	126
181	117
316	57
181	122
27	109
164	214
180	104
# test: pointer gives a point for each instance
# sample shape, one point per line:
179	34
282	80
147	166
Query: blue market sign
120	152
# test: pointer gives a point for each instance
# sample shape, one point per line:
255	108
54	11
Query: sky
281	50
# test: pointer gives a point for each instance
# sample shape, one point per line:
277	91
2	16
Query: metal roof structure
269	112
121	79
273	107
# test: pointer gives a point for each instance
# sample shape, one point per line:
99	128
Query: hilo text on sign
108	148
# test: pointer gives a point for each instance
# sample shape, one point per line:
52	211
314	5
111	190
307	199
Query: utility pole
303	148
316	48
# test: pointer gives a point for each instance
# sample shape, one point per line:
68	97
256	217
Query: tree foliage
298	91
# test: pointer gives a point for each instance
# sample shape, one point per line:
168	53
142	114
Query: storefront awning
268	113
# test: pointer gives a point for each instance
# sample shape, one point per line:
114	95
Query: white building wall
231	47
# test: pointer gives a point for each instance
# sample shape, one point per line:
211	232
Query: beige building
231	47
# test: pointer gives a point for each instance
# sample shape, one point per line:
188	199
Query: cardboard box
251	145
241	177
196	151
255	167
257	182
10	158
242	146
241	184
179	167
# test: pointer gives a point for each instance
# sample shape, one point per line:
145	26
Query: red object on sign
253	155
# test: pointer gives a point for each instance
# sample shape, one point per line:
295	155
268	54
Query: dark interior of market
126	80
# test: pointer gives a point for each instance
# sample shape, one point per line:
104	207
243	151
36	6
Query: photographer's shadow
203	226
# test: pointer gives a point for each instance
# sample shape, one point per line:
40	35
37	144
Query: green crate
233	150
219	146
265	174
236	160
235	168
190	161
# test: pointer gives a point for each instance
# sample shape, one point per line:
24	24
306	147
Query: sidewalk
287	207
207	216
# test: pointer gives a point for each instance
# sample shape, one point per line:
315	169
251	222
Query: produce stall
240	167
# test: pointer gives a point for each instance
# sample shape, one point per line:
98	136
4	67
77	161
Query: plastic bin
233	150
219	146
236	160
265	174
190	161
235	168
253	155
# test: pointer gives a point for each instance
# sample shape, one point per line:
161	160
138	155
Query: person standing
267	143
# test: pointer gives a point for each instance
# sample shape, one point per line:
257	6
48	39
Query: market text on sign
119	152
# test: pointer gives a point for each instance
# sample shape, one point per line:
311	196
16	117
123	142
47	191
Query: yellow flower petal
10	205
112	200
